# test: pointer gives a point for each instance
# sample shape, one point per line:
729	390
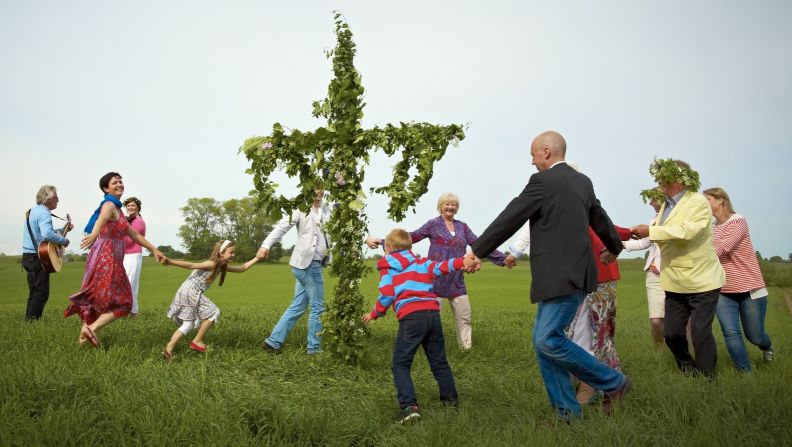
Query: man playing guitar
38	228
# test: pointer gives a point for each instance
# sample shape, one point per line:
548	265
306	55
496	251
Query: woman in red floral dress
105	294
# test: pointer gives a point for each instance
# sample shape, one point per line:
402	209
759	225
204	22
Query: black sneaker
409	413
269	348
769	355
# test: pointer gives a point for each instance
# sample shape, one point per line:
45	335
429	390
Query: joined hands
472	263
640	231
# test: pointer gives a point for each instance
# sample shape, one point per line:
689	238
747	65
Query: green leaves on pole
334	158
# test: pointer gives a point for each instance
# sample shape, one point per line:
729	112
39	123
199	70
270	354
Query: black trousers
38	283
699	308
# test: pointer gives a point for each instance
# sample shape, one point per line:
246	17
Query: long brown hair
219	266
720	194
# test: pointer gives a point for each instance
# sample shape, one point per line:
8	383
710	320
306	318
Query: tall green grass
53	392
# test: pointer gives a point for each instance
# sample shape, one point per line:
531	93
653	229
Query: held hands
373	242
262	253
510	262
472	263
640	231
160	257
164	261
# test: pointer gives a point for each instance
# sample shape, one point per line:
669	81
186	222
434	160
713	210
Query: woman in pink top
133	253
744	297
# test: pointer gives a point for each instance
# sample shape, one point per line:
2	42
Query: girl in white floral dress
190	307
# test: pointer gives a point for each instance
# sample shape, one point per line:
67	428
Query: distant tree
789	259
759	256
286	251
242	223
170	252
208	220
776	259
199	232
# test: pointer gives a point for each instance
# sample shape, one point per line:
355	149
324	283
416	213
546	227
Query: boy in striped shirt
406	284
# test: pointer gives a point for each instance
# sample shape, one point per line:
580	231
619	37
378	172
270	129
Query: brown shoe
614	398
585	393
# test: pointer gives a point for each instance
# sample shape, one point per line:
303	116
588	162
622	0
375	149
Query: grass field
53	392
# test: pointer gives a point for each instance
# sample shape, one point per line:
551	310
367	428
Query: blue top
41	226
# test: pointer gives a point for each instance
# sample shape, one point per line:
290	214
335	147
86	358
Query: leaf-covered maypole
334	158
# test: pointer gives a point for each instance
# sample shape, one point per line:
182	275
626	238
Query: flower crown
668	171
650	194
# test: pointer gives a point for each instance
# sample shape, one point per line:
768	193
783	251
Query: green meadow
54	392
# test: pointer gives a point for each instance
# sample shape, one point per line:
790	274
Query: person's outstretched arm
204	265
243	267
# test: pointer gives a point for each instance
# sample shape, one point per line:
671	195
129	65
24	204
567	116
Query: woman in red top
105	293
744	297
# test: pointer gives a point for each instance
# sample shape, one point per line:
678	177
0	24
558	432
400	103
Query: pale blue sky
166	92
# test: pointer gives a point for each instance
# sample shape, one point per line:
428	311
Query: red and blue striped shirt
406	282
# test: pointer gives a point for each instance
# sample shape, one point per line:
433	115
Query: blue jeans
421	328
558	356
731	311
308	290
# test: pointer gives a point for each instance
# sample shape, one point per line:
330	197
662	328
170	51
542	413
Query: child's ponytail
219	267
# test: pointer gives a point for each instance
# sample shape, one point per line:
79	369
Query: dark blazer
561	205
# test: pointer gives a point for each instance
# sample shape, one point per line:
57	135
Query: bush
777	274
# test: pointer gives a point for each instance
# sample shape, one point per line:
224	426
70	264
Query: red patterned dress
105	286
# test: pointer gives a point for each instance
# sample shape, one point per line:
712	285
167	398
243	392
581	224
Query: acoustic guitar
51	254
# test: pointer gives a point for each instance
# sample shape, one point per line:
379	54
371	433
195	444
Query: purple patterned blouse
444	246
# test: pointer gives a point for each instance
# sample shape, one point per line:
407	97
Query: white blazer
305	248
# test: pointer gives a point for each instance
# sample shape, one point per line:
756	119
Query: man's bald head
547	149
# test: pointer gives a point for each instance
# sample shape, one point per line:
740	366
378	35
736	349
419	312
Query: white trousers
460	307
133	262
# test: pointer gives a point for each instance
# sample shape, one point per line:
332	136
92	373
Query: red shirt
609	272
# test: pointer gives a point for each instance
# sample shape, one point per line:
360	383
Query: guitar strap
32	239
30	230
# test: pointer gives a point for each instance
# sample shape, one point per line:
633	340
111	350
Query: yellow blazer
689	263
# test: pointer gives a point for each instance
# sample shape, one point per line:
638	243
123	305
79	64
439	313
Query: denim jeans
558	356
308	291
421	328
732	311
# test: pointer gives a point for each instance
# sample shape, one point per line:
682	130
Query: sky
166	92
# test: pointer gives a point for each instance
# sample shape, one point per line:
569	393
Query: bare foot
89	336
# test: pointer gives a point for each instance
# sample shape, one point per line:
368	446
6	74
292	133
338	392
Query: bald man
561	205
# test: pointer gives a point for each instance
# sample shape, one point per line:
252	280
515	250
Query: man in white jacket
309	256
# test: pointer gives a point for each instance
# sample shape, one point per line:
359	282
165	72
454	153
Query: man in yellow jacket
691	274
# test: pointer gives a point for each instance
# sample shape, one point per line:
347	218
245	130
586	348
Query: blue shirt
671	202
41	226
